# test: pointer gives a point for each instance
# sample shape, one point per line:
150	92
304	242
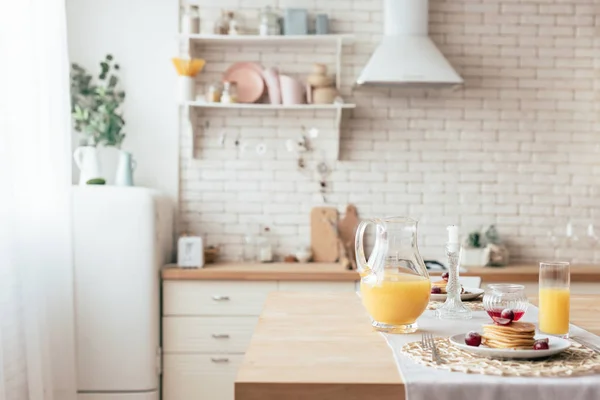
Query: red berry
545	340
445	276
507	313
473	339
541	345
436	290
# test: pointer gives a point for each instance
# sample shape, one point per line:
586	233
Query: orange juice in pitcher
395	286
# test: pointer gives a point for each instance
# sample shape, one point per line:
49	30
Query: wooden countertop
335	272
321	346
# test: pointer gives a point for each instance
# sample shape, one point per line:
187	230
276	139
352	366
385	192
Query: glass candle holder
554	298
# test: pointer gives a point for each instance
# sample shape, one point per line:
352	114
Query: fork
587	344
428	343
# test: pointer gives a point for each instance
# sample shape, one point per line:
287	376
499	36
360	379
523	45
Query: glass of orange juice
554	298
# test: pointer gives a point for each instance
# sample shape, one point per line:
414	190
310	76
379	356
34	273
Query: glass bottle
395	286
269	23
229	94
190	20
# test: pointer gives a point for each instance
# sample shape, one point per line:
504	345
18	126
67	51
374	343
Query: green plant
474	240
95	106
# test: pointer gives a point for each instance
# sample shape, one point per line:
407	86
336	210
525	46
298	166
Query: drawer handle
219	360
220	335
220	298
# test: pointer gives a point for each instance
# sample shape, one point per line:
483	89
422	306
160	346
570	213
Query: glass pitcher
395	284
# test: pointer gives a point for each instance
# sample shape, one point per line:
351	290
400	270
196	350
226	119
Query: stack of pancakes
442	285
516	335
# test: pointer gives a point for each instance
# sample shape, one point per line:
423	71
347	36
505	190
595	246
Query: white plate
472	294
556	345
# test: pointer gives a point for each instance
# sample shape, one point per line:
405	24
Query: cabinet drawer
207	334
215	297
295	286
199	377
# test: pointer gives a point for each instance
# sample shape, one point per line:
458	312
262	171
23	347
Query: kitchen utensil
429	344
500	296
469	294
190	252
248	77
295	21
292	90
127	164
395	284
347	231
556	345
324	95
271	76
323	239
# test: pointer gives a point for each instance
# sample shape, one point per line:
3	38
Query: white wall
141	36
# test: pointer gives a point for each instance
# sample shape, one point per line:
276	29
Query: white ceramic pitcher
86	158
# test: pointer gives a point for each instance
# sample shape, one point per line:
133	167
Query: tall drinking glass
554	298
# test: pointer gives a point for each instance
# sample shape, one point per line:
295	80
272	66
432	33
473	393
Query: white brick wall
518	146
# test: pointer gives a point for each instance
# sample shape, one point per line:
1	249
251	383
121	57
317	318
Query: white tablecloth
426	383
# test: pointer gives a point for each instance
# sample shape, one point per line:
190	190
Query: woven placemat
576	360
475	305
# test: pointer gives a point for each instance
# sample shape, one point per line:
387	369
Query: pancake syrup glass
554	298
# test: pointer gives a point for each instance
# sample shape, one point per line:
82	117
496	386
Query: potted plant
474	252
97	116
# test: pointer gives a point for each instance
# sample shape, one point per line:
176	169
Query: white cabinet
200	376
207	327
291	286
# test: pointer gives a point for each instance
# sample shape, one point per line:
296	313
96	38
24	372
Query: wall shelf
338	108
254	106
267	40
335	41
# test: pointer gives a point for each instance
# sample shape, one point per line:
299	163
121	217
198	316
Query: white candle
452	234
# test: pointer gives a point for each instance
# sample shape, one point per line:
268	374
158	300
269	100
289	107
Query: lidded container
501	296
395	286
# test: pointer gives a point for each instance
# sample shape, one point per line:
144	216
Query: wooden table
321	346
335	272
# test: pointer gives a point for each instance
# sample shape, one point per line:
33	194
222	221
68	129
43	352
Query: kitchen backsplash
518	146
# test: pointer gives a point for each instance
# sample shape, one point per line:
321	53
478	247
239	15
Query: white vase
474	257
86	158
124	175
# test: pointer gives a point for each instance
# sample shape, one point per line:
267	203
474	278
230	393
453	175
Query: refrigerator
122	237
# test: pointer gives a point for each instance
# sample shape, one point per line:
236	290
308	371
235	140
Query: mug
292	90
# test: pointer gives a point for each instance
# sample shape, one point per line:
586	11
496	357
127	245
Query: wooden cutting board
347	230
323	234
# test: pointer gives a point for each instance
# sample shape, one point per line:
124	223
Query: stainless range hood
406	54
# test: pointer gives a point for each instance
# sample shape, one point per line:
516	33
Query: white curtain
36	276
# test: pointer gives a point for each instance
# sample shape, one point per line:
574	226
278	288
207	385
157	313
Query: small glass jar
229	94
190	19
269	23
501	296
213	94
